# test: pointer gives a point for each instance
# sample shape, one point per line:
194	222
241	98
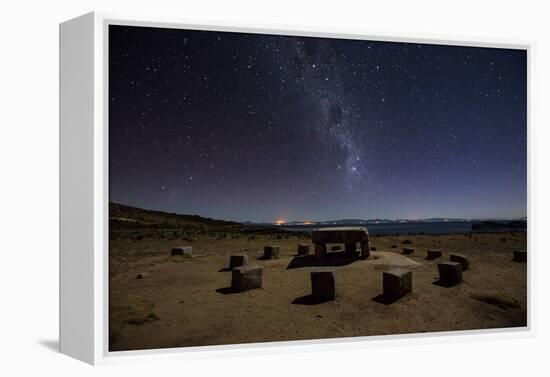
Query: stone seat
460	259
450	273
323	285
182	250
433	254
396	283
349	236
271	252
340	235
246	277
408	250
303	249
238	260
520	255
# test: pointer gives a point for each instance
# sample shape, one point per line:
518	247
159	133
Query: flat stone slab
182	250
433	254
340	235
408	250
520	255
246	277
303	249
450	273
323	285
396	283
271	252
238	260
460	259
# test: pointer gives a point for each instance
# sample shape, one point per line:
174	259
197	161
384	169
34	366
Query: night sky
252	127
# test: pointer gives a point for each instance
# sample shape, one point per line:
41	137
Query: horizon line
276	221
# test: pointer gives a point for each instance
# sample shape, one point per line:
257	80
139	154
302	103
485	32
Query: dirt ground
162	301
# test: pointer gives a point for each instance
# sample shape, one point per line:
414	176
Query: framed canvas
230	188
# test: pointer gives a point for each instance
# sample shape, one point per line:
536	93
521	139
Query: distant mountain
366	222
383	221
434	220
127	217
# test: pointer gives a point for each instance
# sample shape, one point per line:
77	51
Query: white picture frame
84	192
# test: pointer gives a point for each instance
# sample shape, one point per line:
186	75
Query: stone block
246	277
450	273
271	252
320	251
365	249
238	260
323	286
340	235
396	283
335	247
460	259
433	254
520	255
303	249
182	250
408	250
351	247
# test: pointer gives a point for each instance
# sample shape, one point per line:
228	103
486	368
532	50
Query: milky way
255	127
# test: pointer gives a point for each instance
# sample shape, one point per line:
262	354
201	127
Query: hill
136	231
123	217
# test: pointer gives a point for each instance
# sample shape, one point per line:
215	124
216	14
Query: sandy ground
180	301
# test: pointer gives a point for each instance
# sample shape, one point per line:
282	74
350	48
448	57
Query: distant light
279	222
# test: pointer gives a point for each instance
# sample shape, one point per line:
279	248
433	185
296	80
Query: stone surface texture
397	283
246	277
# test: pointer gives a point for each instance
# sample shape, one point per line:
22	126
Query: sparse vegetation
177	301
144	229
140	320
137	313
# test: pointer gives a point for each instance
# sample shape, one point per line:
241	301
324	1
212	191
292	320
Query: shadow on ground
226	291
309	300
382	299
341	258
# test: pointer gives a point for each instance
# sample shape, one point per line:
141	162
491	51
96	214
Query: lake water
447	227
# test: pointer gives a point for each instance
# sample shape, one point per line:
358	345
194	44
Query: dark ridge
127	217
